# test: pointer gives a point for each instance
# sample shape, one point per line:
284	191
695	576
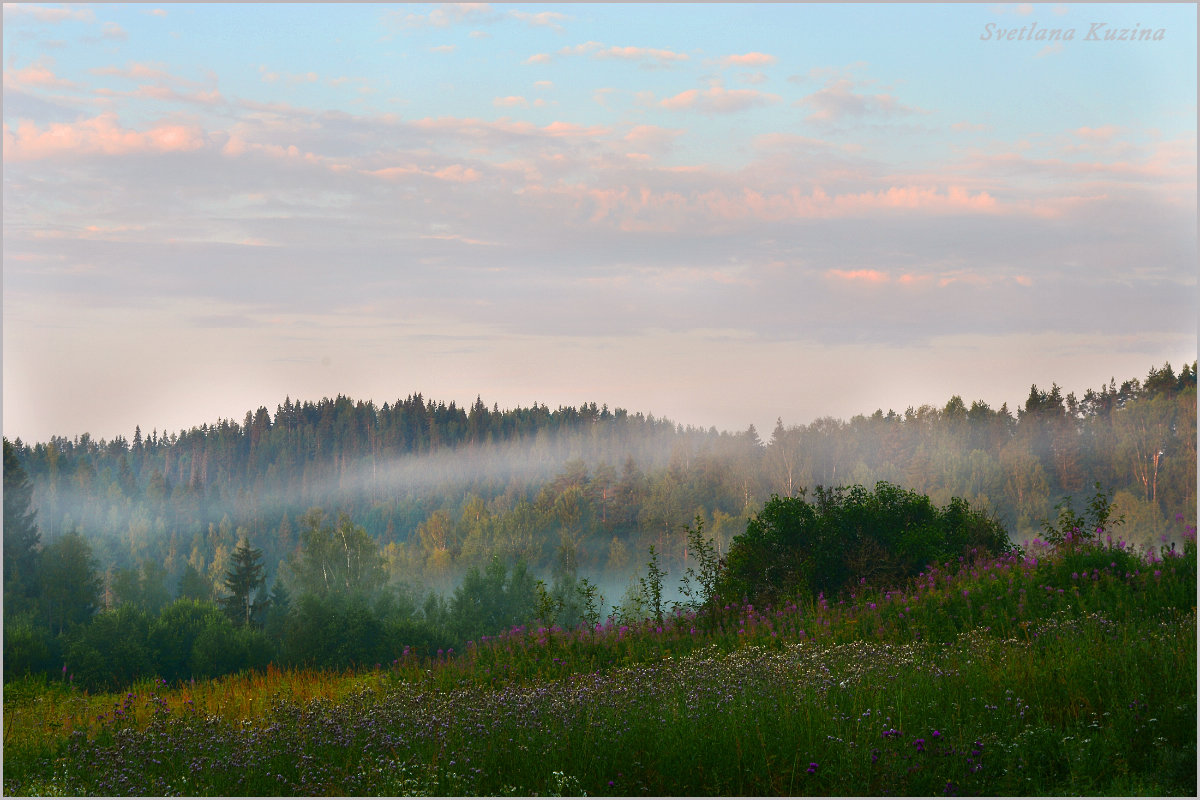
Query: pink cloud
717	100
544	19
839	100
101	135
45	14
859	275
676	210
969	127
458	174
35	75
652	136
510	101
640	54
454	173
1102	134
539	58
135	71
598	50
749	60
111	30
559	128
446	14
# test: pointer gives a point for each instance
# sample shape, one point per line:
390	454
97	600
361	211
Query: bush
849	536
112	650
339	631
173	636
28	649
222	649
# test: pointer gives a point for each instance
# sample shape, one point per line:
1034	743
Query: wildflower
812	767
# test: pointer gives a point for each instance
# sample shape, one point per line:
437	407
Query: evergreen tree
243	580
193	585
20	535
70	586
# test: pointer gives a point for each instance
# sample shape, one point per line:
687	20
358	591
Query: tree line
446	493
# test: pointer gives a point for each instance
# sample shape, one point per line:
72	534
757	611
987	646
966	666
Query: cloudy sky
722	214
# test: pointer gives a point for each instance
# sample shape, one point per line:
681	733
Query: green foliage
590	601
1093	522
221	648
336	559
69	585
244	580
491	601
652	586
112	650
545	606
975	679
21	536
28	648
699	583
849	536
339	631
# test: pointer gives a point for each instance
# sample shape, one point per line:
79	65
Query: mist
588	491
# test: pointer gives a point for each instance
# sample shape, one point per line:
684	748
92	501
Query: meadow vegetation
1066	666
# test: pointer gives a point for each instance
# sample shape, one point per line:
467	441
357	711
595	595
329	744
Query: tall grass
1065	670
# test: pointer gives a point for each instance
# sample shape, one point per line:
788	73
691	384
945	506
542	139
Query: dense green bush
494	600
223	648
341	631
28	648
112	650
173	636
849	535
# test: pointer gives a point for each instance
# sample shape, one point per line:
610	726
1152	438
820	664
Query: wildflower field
1061	670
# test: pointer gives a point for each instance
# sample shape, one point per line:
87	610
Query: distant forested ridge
443	488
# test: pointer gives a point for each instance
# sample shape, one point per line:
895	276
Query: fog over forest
442	488
338	532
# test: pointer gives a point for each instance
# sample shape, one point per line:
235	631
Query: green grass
1069	671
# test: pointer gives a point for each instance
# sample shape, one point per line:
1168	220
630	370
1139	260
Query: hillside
443	487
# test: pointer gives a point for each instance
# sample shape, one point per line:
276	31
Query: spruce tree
21	537
246	577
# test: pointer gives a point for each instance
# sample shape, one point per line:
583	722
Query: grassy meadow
1061	670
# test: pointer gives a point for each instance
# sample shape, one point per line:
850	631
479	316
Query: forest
337	533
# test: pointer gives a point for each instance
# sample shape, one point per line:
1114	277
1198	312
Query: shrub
849	535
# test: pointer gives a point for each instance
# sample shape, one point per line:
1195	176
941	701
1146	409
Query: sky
722	214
